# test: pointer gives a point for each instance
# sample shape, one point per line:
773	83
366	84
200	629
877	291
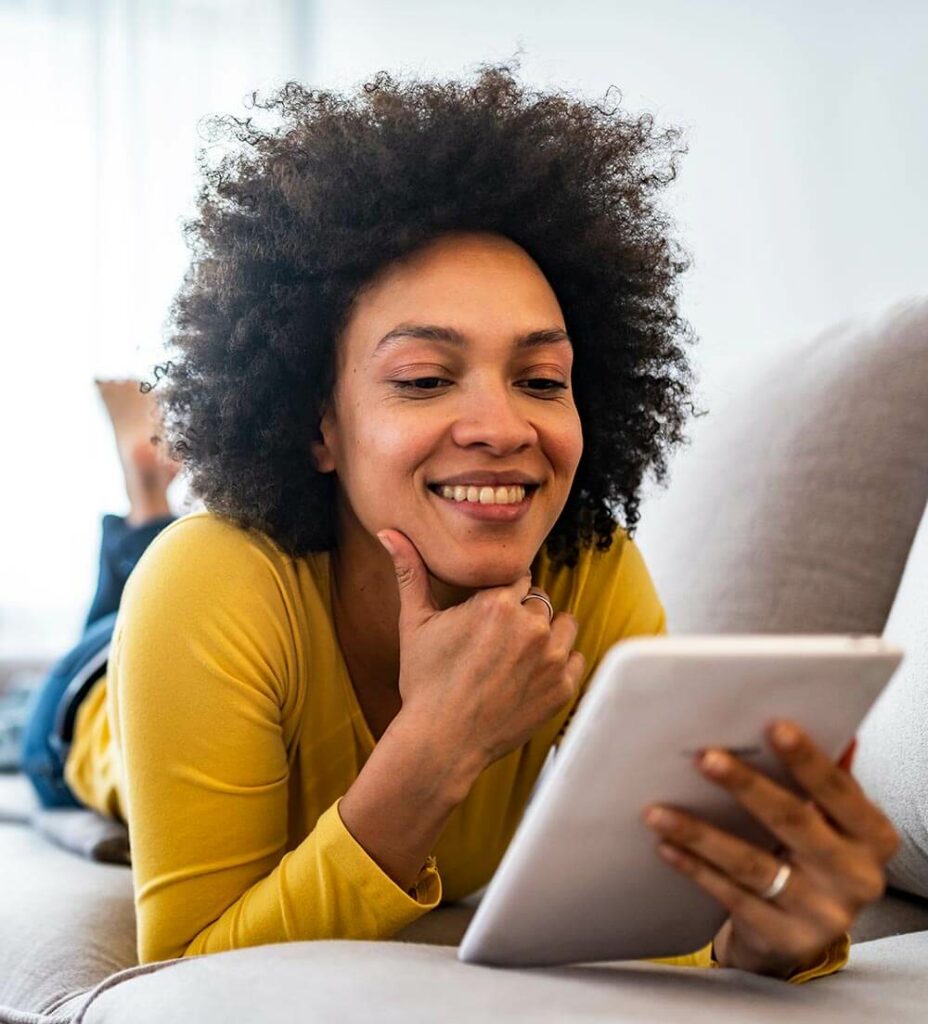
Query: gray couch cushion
796	504
892	754
898	913
66	922
349	981
69	928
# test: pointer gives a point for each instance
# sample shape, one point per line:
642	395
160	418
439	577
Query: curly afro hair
294	219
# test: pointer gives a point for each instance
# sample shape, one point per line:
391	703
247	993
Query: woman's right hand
488	672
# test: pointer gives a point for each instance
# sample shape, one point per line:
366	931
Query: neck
366	610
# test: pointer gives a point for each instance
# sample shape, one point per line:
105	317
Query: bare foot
136	419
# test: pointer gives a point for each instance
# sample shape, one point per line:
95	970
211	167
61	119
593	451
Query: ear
322	453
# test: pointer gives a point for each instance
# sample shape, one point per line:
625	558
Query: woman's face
489	410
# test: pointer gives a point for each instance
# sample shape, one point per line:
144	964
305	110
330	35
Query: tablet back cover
581	880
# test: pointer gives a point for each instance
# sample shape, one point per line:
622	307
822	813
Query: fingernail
715	762
659	818
785	735
386	543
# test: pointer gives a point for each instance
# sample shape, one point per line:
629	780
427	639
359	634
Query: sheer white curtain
97	171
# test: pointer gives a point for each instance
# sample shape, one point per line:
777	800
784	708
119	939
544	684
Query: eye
551	385
413	383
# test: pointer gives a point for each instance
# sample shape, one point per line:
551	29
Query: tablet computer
581	880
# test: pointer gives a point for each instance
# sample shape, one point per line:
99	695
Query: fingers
800	918
564	626
519	585
761	915
794	821
750	867
837	847
835	791
536	607
416	601
772	934
840	863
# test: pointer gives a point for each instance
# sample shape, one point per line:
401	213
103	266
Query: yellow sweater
226	730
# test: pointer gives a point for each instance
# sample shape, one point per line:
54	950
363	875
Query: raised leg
147	469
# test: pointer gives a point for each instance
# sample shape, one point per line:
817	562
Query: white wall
802	198
102	100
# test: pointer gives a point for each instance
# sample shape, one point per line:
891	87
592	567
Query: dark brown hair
298	216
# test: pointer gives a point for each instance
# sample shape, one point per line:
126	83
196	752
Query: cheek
388	446
563	443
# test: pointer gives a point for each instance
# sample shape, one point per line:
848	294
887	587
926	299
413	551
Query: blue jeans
50	716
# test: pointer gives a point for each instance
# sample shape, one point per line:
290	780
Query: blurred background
801	199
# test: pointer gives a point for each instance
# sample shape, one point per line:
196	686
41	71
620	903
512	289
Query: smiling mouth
529	490
489	512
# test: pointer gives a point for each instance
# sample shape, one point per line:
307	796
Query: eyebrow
449	336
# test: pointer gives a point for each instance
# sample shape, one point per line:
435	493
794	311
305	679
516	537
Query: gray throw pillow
892	753
795	506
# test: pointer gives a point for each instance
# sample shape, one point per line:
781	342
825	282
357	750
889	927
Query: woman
428	343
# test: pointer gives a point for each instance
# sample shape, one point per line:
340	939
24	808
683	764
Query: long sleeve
204	702
833	959
327	888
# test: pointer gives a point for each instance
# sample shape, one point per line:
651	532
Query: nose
495	417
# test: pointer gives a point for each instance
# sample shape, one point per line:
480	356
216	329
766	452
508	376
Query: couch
799	506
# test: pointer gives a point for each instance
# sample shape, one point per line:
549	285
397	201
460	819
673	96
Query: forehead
455	292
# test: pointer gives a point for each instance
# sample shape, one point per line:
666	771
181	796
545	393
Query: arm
398	806
204	708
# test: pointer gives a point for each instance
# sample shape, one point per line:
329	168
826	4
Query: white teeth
485	495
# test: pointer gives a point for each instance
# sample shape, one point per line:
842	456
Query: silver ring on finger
540	597
779	883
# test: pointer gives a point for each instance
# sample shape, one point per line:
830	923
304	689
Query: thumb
412	577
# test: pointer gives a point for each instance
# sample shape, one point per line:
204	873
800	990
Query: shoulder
205	539
204	556
208	603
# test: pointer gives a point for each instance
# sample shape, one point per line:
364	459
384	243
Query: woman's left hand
837	845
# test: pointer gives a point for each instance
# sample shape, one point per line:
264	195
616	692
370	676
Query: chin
477	576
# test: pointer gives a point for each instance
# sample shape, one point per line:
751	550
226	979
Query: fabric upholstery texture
350	981
794	508
892	752
68	927
66	922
